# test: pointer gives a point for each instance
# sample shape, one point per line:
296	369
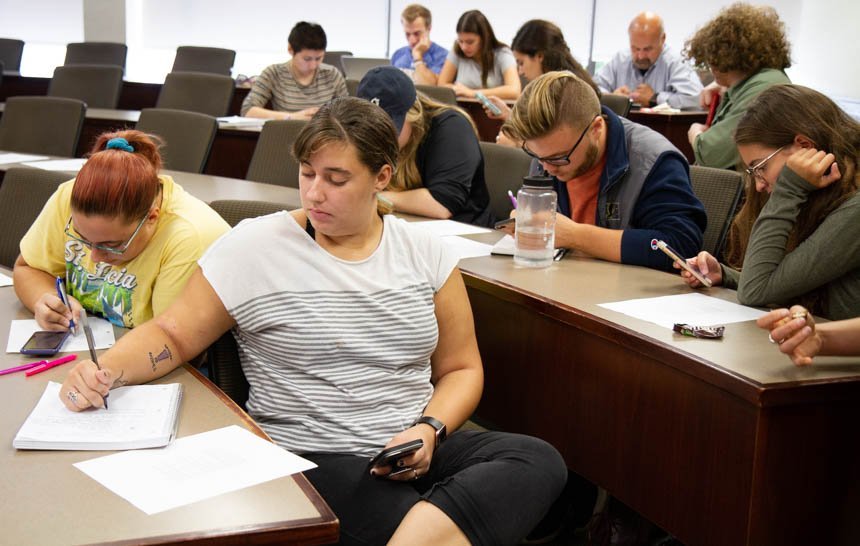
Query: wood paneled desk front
48	501
718	442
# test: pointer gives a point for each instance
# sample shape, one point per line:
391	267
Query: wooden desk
718	442
487	128
672	126
48	501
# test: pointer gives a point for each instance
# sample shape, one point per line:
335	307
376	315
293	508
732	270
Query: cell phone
487	104
502	223
390	456
44	343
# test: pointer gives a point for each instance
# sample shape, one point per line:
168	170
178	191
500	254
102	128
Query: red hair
117	183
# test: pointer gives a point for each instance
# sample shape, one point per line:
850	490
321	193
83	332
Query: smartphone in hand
390	456
487	104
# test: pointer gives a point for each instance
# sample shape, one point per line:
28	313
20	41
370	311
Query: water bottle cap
537	181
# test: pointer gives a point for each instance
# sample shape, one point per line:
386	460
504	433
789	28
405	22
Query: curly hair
741	38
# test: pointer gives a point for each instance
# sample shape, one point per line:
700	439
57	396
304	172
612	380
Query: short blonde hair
552	99
414	11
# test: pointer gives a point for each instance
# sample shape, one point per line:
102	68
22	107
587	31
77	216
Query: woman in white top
479	63
355	334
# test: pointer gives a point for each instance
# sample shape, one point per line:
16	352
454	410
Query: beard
587	163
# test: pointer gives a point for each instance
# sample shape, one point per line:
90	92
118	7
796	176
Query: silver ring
414	474
770	338
73	396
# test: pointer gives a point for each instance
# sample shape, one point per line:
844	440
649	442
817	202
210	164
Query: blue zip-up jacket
644	190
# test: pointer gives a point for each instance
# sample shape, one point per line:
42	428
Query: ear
803	141
539	57
383	177
153	215
290	51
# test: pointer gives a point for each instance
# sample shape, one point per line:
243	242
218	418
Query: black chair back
444	95
211	60
110	53
11	51
187	136
197	92
98	86
617	103
719	191
504	169
272	162
42	125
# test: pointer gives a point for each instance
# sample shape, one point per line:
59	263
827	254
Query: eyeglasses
755	172
118	250
560	161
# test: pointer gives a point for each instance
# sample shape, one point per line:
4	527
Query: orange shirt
582	192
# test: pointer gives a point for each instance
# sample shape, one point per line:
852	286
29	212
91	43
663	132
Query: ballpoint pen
88	333
559	254
661	245
44	366
61	292
513	199
22	367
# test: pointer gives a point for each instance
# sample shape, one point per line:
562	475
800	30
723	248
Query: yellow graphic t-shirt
130	293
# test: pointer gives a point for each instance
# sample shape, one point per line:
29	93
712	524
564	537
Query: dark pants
495	486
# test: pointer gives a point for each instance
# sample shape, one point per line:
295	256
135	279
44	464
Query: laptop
356	67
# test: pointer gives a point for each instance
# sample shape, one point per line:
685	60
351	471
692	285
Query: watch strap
439	426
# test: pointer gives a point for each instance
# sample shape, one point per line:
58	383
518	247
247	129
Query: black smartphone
390	456
44	343
502	223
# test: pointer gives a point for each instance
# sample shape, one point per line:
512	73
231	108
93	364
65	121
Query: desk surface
44	492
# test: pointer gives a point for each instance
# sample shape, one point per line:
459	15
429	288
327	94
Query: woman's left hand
793	331
462	91
817	167
419	461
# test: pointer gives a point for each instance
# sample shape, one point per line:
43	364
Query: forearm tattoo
119	381
163	355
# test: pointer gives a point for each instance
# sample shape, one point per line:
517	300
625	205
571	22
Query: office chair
42	125
234	211
98	86
210	60
11	51
356	67
96	53
186	136
197	92
504	169
272	162
719	191
351	86
445	95
23	193
333	58
617	103
225	369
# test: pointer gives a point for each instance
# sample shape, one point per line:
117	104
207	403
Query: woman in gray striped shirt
355	334
296	88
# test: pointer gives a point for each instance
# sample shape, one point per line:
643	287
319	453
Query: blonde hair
420	116
414	11
550	100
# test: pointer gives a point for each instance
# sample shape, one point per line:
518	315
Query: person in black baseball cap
440	172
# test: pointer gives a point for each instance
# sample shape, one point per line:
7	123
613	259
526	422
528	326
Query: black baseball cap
389	88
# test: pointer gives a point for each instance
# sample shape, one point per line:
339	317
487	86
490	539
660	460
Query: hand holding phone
389	456
45	343
488	105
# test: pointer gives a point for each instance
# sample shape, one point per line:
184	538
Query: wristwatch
439	426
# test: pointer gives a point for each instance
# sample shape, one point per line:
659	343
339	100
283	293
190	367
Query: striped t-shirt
277	84
337	353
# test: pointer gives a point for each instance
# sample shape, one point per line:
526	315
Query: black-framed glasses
118	250
560	161
755	172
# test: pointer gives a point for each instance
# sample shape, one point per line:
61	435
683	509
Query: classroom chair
11	51
196	92
617	103
445	95
504	169
23	193
96	53
356	67
719	190
272	162
333	58
42	125
225	368
98	86
351	86
210	60
186	136
234	211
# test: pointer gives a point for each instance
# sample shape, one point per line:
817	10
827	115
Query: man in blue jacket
619	184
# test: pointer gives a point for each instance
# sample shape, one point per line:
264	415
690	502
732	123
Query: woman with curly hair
797	235
746	50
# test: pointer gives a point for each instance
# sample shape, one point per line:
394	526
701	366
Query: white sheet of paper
71	165
21	330
466	248
193	468
505	246
5	280
695	309
443	228
20	158
236	121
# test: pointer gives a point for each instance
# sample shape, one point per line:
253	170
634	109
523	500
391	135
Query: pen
661	245
513	199
559	254
61	292
42	366
88	332
22	367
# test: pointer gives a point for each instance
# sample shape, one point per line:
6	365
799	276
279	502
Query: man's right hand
623	90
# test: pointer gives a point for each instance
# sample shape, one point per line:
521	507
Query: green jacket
830	257
716	146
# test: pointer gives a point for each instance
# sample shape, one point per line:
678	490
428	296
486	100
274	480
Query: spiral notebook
140	416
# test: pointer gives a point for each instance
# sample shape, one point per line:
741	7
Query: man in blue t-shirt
423	57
